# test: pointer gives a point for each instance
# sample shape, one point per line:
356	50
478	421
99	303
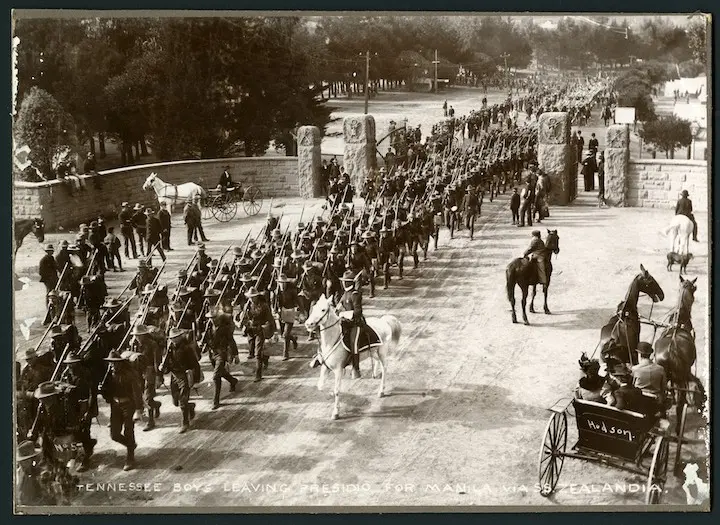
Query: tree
697	39
46	128
667	134
634	89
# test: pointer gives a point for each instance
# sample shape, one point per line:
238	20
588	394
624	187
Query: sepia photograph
360	262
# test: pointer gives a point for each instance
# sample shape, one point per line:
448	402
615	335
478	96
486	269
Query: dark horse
620	336
675	352
524	273
24	226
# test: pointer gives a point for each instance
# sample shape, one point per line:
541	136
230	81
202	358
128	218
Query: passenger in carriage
590	386
226	183
649	376
621	393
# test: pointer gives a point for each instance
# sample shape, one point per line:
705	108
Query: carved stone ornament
306	136
616	137
551	130
353	130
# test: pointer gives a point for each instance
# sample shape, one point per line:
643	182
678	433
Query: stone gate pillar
360	148
554	155
617	160
309	162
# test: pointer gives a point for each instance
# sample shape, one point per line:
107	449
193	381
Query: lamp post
694	131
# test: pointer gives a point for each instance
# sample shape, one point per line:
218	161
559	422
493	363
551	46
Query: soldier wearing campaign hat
48	269
181	362
84	397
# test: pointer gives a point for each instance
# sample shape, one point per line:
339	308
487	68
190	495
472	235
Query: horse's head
552	241
687	292
149	181
319	313
38	228
648	285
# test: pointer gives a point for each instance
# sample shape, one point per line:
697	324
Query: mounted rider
536	253
351	312
684	207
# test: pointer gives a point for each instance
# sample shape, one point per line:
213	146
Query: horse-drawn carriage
633	441
223	203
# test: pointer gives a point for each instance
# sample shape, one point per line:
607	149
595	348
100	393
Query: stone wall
657	183
104	192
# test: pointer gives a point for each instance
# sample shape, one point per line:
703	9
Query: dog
682	260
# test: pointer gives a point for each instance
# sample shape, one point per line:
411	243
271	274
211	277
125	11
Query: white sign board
624	115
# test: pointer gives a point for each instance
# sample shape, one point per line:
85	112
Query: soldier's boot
233	384
401	268
191	410
266	361
286	350
356	366
185	420
386	280
151	420
294	342
216	397
130	458
156	409
372	286
416	260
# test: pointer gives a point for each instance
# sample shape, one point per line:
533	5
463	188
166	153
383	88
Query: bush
692	69
634	89
667	134
44	126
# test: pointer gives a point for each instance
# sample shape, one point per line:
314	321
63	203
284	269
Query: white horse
169	194
335	356
681	228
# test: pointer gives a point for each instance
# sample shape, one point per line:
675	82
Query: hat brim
113	359
39	395
35	454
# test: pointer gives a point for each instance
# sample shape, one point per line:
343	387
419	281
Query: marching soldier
257	317
372	252
121	391
287	303
181	362
153	230
92	296
223	350
450	206
471	208
84	396
38	369
387	248
147	347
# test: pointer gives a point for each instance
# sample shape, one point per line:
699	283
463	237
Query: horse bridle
322	329
165	185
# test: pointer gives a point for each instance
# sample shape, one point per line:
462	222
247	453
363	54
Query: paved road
467	388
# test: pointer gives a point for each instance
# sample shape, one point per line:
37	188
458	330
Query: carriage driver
225	183
648	375
535	253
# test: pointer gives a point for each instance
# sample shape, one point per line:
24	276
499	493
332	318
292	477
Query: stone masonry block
554	128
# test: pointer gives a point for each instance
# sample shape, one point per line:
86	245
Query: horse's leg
545	294
374	359
510	285
338	380
532	299
321	380
383	370
524	288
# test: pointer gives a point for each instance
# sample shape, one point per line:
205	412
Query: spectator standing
153	228
138	222
198	218
90	164
166	226
601	179
126	229
112	244
515	206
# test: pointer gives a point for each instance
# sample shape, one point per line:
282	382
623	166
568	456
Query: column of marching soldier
266	285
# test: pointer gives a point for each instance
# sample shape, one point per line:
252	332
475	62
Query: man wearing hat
311	285
387	249
112	244
121	390
527	198
450	207
52	420
145	275
351	302
287	306
144	345
624	395
536	252
62	259
126	229
165	219
258	318
153	230
684	207
372	252
223	350
83	396
28	489
47	269
471	208
92	295
190	219
647	375
200	233
139	221
38	369
181	362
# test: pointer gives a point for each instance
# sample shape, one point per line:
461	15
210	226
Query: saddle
360	338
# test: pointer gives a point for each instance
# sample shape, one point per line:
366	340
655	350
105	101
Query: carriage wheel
680	436
226	212
552	453
206	208
252	200
657	474
217	205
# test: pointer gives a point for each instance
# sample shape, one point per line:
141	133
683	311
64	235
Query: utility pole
436	62
367	79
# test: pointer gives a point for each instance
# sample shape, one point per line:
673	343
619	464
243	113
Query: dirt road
468	390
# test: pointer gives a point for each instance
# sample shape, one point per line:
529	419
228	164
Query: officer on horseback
535	252
351	312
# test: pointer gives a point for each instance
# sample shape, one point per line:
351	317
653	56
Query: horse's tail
670	228
395	330
510	281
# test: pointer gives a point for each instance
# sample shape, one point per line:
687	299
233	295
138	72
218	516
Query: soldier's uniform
151	354
258	319
181	362
287	304
372	252
38	369
139	224
47	268
92	296
471	208
84	396
222	350
684	207
536	252
351	301
450	202
122	391
386	251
